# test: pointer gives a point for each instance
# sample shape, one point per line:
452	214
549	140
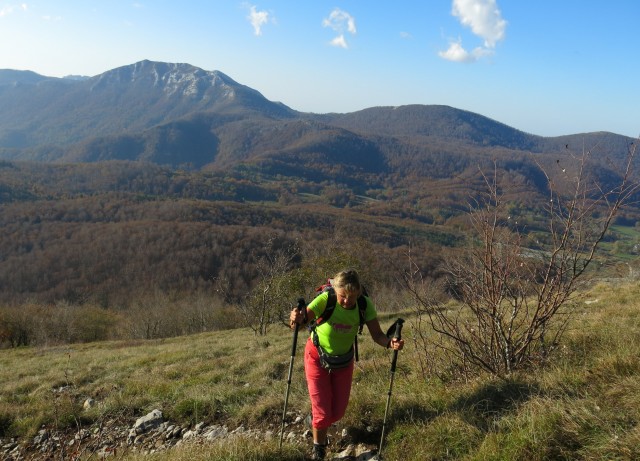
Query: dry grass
585	405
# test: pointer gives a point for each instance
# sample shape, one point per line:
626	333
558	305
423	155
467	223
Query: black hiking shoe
319	451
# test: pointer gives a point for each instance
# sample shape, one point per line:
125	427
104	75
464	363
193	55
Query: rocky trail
151	433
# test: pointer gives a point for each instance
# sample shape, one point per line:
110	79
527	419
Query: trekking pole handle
301	305
396	335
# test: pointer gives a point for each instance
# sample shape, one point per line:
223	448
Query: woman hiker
330	383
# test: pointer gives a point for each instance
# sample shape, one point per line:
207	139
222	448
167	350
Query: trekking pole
301	305
355	347
396	335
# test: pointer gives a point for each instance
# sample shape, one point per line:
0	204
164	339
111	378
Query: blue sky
547	67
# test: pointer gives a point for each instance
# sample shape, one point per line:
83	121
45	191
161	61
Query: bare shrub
263	305
515	300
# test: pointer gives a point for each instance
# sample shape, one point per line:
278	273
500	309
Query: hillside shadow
493	400
369	433
480	409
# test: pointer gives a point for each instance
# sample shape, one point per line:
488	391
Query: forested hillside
107	232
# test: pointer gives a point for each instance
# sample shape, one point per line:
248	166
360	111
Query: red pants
329	391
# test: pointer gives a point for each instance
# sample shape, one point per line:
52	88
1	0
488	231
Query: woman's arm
381	338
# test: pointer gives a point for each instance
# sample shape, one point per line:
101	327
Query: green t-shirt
338	333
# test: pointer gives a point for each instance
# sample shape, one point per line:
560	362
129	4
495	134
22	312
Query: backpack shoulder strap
362	309
332	300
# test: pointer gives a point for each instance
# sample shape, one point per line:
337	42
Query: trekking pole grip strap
395	330
398	332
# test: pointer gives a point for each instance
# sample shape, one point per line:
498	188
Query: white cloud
457	53
341	22
9	9
483	17
339	41
257	19
485	20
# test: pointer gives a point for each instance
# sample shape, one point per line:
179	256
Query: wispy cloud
9	9
341	22
485	20
49	18
257	19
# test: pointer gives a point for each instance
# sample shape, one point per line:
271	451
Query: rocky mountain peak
171	78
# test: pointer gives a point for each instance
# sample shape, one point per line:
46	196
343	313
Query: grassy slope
586	405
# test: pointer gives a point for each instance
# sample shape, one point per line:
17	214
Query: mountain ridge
179	115
127	99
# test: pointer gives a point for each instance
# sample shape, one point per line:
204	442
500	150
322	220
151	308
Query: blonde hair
347	280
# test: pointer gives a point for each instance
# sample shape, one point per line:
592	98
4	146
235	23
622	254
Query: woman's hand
300	317
295	317
396	344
